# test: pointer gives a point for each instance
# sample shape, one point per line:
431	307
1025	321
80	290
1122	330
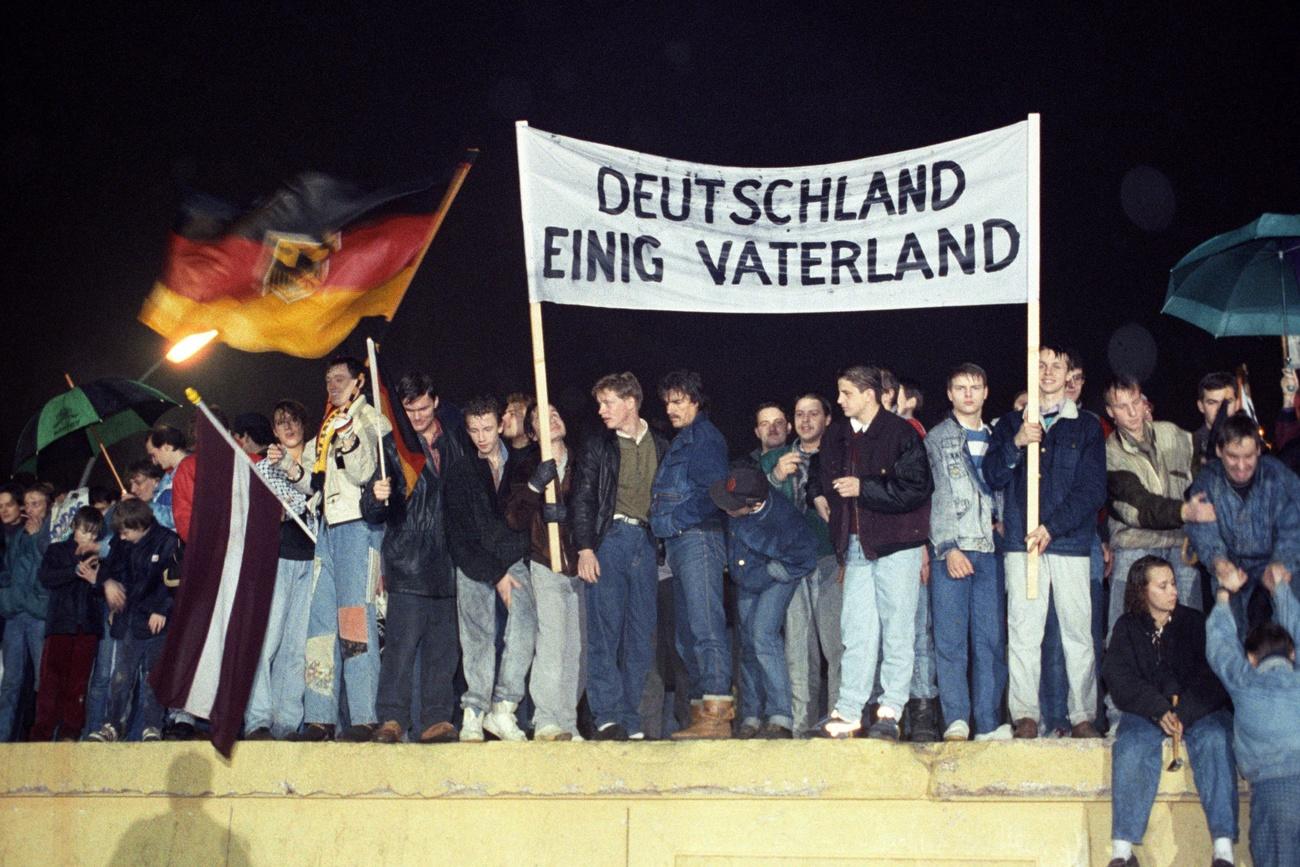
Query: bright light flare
187	346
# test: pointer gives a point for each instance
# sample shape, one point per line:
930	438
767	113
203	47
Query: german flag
406	441
297	272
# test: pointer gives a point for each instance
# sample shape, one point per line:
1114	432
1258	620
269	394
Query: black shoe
610	732
922	716
747	731
261	733
774	732
313	733
360	733
181	731
884	729
1131	861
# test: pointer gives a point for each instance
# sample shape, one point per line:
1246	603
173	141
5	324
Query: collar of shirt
640	434
858	427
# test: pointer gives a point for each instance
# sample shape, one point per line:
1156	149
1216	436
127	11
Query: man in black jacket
489	556
418	571
616	555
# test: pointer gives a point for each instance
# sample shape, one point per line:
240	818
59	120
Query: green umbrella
72	425
1241	283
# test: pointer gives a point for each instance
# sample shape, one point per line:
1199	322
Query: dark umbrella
79	423
1242	283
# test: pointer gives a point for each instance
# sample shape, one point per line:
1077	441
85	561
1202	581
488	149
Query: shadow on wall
184	833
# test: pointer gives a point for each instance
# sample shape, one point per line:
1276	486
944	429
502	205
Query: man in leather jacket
616	554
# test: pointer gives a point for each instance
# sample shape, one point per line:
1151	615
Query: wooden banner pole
1033	338
544	425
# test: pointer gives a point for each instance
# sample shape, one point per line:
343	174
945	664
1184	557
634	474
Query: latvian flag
296	272
214	636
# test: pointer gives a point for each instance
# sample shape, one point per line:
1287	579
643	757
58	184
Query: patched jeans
276	701
621	616
485	682
878	621
342	637
696	558
1137	762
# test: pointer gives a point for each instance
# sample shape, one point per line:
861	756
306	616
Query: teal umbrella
1242	283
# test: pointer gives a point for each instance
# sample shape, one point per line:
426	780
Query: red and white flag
214	637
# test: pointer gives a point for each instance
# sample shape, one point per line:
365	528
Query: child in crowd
73	620
1265	689
132	581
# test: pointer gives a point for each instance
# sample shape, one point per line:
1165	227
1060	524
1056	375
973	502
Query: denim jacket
1072	480
772	544
1266	699
1262	528
679	498
961	510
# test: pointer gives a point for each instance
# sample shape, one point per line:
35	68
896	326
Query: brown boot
714	722
388	733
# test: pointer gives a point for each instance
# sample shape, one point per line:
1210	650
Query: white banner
937	226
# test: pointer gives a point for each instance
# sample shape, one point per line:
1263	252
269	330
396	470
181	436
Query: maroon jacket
892	511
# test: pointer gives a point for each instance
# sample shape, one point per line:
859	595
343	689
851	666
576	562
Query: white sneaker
106	734
471	726
636	736
959	730
151	734
500	721
552	732
1001	733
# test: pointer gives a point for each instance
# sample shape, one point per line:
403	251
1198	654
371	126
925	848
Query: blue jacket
1262	528
21	591
1266	699
679	498
772	544
1072	480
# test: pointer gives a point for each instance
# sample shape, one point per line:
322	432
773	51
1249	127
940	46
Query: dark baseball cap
742	487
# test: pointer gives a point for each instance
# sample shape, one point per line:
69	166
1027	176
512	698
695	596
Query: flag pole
544	425
1033	338
195	399
374	389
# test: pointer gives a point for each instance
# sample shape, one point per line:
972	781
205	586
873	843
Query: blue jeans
878	619
100	678
276	701
136	658
1275	822
925	683
342	641
764	679
24	638
1053	684
621	614
1137	762
696	558
971	648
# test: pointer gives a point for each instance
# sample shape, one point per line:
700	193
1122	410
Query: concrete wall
734	803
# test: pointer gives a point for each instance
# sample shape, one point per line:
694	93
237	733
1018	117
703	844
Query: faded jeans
556	683
878	620
24	639
812	628
764	680
476	615
276	700
696	558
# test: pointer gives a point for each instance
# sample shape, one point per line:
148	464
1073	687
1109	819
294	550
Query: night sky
1159	131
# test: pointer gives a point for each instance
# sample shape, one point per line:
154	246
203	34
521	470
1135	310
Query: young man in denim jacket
965	590
682	514
1072	487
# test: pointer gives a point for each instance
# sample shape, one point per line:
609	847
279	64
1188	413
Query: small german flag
405	440
297	272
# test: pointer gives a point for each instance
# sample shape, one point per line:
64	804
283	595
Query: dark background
1161	128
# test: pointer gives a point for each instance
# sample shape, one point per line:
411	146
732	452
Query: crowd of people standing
865	577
